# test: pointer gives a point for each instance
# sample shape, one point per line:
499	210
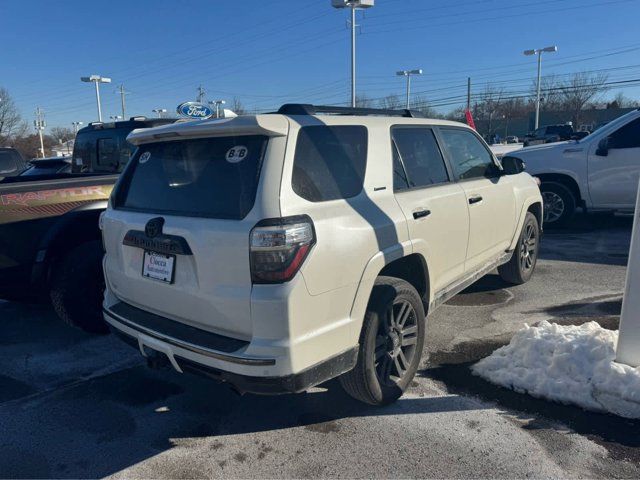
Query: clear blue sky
271	52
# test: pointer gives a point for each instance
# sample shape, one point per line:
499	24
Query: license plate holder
158	266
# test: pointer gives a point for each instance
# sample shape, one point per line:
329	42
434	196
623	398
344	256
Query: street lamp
538	51
408	73
115	118
217	103
353	5
75	126
97	79
159	111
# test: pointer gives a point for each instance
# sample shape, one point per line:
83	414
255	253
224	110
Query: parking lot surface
75	405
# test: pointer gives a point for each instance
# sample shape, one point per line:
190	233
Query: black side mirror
603	147
513	165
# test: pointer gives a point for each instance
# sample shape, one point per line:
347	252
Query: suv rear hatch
177	238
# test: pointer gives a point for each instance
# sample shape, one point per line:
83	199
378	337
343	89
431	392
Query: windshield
211	177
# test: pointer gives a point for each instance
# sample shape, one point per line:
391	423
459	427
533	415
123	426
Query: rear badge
144	158
236	154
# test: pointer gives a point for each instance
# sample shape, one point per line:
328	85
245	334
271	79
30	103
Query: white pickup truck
598	173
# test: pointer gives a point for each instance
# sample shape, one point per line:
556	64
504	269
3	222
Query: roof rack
308	109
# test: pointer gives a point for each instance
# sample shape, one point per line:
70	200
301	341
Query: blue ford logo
194	110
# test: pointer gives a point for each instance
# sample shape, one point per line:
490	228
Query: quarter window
420	156
329	162
469	157
627	136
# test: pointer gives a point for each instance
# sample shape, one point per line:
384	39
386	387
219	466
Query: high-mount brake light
279	247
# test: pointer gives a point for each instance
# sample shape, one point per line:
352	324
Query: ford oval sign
194	110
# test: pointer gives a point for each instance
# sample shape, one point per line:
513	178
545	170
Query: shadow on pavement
620	436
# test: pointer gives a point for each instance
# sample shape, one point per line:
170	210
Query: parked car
51	247
47	166
549	134
11	162
277	251
598	173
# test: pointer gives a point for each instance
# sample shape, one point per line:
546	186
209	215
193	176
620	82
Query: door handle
475	199
421	214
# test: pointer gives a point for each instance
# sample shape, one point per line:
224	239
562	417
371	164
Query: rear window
211	177
8	162
329	162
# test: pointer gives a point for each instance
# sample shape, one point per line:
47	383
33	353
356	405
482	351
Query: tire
375	379
559	204
519	269
77	287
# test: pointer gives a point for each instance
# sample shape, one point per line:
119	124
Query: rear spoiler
270	125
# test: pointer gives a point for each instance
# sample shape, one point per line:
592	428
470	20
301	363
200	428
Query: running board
453	289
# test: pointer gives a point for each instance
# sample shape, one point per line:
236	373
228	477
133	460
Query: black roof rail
308	109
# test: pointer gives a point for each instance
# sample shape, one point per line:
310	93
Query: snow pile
572	364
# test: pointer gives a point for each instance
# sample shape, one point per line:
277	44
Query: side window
8	162
329	162
420	155
400	181
469	157
107	153
627	136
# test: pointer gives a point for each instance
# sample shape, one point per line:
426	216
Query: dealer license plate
158	266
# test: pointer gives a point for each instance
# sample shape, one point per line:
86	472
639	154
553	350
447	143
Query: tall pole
538	90
98	101
353	56
469	94
39	123
122	102
408	90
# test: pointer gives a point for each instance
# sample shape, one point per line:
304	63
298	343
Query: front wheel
559	204
519	269
391	344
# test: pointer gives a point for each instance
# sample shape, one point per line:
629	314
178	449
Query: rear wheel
559	204
519	269
77	287
391	343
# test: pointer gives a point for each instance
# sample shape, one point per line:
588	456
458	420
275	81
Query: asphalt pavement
75	405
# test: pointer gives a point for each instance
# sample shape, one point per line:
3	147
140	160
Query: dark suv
549	134
103	147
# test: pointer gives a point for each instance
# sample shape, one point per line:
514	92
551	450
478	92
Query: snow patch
568	364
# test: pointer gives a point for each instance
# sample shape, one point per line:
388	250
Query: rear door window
211	177
329	162
421	157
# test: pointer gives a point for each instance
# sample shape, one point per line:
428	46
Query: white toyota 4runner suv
277	251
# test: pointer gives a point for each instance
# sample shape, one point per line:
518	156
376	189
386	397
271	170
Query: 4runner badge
153	228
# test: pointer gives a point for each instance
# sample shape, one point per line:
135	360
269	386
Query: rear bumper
192	350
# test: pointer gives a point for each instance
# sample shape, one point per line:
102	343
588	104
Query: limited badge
236	154
144	158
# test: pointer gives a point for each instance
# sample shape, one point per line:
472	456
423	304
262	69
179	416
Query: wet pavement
73	405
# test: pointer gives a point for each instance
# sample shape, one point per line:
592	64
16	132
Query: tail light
278	248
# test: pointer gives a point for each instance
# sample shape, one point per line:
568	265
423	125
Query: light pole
97	79
115	118
217	103
353	5
39	124
159	111
408	73
538	51
75	126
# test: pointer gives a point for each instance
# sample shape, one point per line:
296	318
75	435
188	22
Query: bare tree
391	102
579	90
11	122
488	105
620	101
421	104
363	101
61	134
550	94
237	106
